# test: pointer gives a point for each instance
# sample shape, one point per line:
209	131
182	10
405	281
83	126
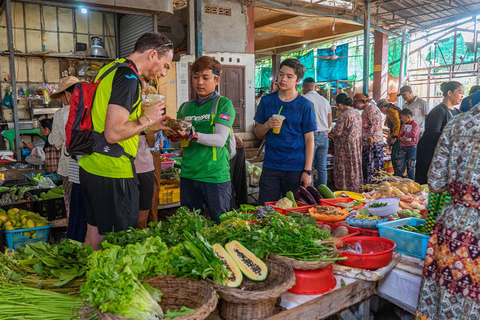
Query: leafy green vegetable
49	265
113	280
183	311
378	204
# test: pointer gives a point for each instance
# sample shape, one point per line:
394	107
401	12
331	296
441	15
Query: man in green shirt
107	179
205	178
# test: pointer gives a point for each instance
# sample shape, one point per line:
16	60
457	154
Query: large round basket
253	299
177	293
301	265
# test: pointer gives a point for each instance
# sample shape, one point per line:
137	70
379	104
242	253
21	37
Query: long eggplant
307	195
315	194
298	196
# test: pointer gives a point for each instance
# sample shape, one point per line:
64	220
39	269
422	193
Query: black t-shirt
125	87
434	124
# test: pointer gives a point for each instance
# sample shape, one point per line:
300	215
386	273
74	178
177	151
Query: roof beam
272	20
281	31
313	12
311	36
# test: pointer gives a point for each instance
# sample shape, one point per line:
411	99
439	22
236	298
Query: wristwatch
309	172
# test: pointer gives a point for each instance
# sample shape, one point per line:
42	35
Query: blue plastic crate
16	239
411	243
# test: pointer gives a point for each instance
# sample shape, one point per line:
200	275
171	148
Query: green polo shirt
198	160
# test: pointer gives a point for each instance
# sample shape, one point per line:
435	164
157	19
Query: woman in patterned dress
347	161
372	135
451	284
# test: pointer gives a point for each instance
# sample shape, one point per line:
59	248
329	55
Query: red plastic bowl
314	281
377	252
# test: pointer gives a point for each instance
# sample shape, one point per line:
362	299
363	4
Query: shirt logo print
130	76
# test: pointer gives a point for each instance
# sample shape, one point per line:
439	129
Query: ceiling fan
333	56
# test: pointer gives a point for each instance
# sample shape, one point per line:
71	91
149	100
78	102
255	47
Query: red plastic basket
167	164
377	252
314	281
285	211
333	226
363	232
334	202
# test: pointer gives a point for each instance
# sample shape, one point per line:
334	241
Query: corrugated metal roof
419	15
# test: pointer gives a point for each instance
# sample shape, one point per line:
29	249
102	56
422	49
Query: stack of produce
14	194
21	219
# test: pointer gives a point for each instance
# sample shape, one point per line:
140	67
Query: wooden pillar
380	66
250	30
366	48
275	65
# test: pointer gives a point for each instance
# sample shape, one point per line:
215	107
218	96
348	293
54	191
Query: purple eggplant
307	195
315	194
298	196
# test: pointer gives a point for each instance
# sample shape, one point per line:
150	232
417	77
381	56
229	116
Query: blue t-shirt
465	105
286	151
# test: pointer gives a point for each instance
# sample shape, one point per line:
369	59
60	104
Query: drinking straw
156	80
280	110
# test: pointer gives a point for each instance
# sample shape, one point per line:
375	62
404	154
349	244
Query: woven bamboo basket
301	265
178	292
253	299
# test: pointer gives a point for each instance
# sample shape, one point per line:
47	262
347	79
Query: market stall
314	253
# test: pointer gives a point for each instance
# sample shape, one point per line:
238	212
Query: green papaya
326	192
252	267
57	190
236	277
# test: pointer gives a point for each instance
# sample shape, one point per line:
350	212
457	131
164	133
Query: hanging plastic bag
7	100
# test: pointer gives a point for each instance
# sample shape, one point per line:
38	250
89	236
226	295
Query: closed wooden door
232	86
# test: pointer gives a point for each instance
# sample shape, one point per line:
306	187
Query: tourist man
323	117
418	106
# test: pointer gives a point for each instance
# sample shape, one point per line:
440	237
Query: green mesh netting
355	62
394	55
443	53
262	76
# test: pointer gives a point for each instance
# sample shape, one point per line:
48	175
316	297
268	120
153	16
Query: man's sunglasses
168	45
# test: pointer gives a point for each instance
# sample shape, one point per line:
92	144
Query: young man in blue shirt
289	153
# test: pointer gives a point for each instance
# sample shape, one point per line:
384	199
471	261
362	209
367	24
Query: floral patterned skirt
451	284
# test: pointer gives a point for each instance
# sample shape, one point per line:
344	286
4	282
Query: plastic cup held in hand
150	100
276	130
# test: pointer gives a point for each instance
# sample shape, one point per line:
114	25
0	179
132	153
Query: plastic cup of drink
150	100
276	130
154	98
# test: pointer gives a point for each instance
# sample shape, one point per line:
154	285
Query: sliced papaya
236	277
252	267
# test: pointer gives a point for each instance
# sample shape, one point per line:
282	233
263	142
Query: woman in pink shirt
146	176
408	137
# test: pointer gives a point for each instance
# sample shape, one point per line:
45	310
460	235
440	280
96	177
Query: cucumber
307	195
315	194
326	192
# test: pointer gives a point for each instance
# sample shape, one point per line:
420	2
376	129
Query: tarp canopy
332	69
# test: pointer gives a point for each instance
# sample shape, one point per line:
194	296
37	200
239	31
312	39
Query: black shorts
111	203
146	186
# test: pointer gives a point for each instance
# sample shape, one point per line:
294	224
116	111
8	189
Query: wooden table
323	306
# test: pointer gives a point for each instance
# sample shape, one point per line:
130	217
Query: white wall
247	60
225	33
